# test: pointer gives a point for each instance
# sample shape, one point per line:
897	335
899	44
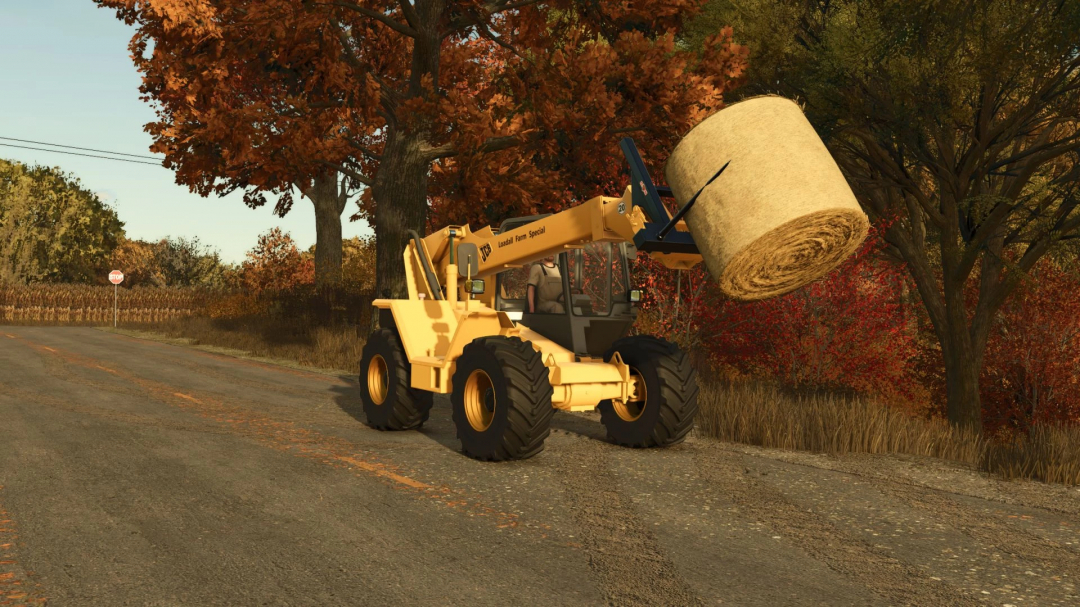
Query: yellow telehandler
471	328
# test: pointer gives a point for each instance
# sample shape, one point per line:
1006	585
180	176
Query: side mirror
475	286
468	259
636	295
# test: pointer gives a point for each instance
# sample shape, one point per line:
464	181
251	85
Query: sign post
116	277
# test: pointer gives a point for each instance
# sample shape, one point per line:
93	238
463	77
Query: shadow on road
347	398
580	425
438	428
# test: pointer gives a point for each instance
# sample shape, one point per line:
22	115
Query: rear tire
390	402
501	399
671	391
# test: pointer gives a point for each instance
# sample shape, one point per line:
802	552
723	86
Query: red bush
1032	366
848	331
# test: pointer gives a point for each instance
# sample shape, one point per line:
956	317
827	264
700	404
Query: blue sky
67	79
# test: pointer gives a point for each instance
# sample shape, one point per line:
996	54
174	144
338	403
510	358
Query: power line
71	147
78	154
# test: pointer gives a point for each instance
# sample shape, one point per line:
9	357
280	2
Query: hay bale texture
782	215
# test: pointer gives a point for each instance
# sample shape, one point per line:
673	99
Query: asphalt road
134	472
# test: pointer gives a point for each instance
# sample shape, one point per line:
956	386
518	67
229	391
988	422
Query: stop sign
116	277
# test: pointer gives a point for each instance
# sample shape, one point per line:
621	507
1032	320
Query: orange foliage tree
489	107
137	260
358	264
275	265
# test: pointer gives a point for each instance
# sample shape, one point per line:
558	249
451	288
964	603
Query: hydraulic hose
432	280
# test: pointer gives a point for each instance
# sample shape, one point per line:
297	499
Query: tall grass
325	347
764	415
1046	453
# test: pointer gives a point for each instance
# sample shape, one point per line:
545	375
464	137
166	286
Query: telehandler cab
507	368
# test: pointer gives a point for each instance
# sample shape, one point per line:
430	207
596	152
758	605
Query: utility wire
71	147
78	154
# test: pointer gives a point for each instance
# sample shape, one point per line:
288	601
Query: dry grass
763	415
316	346
1046	453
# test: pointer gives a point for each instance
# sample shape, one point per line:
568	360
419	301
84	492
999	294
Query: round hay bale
782	215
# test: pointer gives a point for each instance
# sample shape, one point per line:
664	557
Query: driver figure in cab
545	290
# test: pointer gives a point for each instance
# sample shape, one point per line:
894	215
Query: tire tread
410	406
678	390
528	390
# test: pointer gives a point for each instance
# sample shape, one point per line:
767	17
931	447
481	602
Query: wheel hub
632	409
480	403
378	379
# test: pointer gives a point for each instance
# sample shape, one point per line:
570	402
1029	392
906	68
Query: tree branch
1046	151
409	11
365	151
364	179
1033	213
874	156
983	232
486	32
921	271
474	17
1040	245
383	18
386	93
493	144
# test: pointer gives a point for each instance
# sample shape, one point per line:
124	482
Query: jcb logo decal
484	252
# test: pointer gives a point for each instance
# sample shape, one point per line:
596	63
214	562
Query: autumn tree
171	262
187	262
846	332
52	229
135	258
357	263
488	106
960	118
275	265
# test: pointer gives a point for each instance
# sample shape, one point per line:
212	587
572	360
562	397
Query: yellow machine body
434	331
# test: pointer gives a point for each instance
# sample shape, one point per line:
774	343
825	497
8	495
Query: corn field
92	304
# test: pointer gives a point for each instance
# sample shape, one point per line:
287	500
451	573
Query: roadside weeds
763	415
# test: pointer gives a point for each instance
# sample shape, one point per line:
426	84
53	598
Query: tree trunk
329	204
400	188
962	367
400	193
963	336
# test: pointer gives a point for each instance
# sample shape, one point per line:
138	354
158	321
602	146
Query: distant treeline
55	231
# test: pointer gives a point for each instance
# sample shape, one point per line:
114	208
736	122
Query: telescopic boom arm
637	217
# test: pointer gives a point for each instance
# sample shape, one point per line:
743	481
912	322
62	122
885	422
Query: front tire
666	415
390	401
501	399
